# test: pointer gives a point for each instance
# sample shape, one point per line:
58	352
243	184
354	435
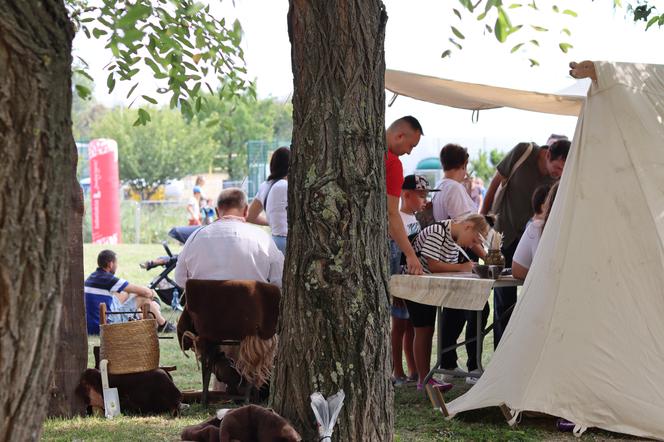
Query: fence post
137	223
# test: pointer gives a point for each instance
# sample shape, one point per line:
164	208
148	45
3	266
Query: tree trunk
334	318
71	356
36	173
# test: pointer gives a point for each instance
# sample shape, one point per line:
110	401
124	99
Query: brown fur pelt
250	423
244	311
150	392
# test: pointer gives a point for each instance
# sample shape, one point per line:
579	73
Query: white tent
586	339
478	96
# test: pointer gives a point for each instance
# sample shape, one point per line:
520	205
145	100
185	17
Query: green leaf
501	28
533	5
457	13
149	99
515	5
652	21
110	83
516	48
488	29
142	113
456	44
566	31
446	53
555	8
535	42
468	4
456	32
214	122
570	12
134	13
565	47
132	90
539	28
96	32
83	92
533	62
481	17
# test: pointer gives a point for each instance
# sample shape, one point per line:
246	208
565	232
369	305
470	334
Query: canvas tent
586	339
478	96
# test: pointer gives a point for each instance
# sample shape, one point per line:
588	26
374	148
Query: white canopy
478	96
586	339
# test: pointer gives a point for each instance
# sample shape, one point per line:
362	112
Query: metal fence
145	222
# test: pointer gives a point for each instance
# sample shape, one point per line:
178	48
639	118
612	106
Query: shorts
421	315
399	311
128	306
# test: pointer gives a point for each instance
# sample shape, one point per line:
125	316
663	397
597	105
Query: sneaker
399	381
457	372
473	376
442	386
166	327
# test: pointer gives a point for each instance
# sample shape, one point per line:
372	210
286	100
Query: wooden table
464	291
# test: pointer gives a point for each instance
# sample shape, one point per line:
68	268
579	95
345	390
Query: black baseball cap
416	182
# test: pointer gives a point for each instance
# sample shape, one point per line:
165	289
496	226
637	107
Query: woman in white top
525	251
269	206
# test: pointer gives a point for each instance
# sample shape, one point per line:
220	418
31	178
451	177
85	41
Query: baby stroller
167	289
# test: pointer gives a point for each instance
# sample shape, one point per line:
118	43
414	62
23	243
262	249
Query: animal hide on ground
150	392
250	423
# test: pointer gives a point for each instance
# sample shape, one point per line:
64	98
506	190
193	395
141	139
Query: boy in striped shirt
437	249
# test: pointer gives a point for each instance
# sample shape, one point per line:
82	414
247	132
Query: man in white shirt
230	248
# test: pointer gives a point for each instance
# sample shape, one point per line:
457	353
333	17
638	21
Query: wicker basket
130	347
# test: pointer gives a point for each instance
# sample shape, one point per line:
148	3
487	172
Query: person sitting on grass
437	249
413	199
102	286
525	251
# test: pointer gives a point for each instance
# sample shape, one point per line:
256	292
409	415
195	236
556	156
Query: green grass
415	419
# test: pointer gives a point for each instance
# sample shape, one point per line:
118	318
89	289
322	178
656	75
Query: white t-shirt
525	250
230	249
452	201
197	208
410	223
277	205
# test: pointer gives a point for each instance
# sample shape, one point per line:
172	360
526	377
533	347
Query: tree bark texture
334	317
71	356
37	166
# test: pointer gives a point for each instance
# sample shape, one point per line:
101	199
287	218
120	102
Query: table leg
479	341
439	347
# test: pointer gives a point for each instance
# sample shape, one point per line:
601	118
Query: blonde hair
479	222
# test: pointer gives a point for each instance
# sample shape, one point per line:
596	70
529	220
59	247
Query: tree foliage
497	17
168	148
484	166
179	42
240	118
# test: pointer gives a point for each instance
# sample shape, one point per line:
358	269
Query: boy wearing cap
413	199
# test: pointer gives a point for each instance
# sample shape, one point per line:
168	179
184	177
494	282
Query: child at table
437	248
413	199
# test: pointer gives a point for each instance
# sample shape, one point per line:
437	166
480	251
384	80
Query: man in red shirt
402	136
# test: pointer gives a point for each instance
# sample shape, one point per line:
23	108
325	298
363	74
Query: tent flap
478	96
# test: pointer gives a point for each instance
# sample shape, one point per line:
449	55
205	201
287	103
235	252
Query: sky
416	36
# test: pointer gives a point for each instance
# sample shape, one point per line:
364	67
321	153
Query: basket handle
145	310
102	313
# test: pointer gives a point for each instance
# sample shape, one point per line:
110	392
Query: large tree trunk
334	315
36	172
72	347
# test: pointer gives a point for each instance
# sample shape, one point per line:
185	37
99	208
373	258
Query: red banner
104	191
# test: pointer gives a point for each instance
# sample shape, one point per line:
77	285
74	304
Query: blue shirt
98	288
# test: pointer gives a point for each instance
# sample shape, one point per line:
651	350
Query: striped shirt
97	289
435	242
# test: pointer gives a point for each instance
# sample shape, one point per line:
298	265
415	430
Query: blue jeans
395	257
280	241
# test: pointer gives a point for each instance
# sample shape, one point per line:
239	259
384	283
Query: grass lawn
415	419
